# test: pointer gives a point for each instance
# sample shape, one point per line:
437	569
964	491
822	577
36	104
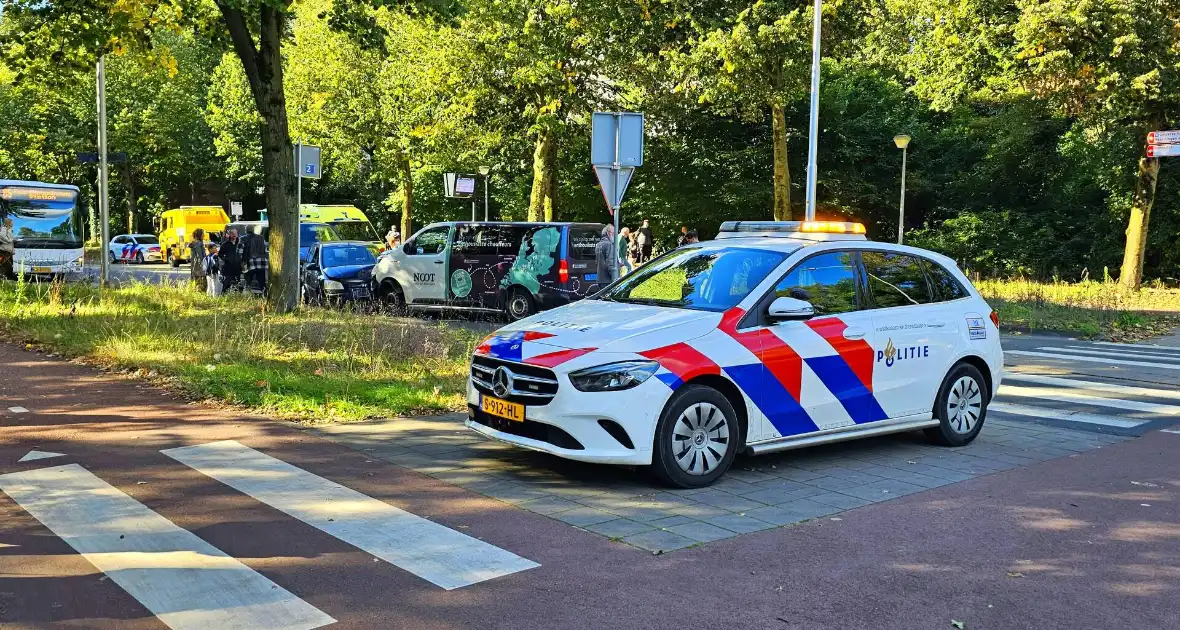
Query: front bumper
580	416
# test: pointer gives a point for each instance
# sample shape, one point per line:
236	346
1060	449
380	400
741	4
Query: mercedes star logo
502	381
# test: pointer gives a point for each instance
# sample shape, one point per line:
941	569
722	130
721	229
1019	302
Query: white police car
775	336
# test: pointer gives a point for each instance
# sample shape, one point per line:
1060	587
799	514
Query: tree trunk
782	173
264	70
541	197
406	182
1132	272
132	201
551	193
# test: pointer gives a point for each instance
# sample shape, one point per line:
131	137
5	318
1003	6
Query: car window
345	255
355	231
583	240
827	281
895	279
118	240
147	240
487	239
429	242
312	233
946	287
696	278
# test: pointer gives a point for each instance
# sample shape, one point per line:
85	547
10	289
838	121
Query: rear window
583	239
946	287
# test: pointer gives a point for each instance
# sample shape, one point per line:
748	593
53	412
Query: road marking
1152	346
1124	390
18	410
1049	393
33	456
431	551
1147	354
1176	431
183	580
1060	414
1078	357
1106	353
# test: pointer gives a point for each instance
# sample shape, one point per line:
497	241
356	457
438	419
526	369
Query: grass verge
1098	310
316	365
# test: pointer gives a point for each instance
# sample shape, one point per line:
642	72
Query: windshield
355	231
147	240
43	218
344	255
696	278
312	233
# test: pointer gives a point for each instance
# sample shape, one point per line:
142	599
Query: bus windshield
43	218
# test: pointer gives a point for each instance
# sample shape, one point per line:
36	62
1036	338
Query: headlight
613	377
332	285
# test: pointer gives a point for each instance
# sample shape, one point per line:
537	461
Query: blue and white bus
47	224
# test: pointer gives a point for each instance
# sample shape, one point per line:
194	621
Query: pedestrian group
238	263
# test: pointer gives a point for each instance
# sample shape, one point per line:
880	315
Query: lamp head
901	140
484	170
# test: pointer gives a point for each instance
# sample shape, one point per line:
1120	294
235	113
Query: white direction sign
1163	150
1164	137
235	209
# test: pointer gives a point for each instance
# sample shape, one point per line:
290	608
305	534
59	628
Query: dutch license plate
591	277
502	408
41	269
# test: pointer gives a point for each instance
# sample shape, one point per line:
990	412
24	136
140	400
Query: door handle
854	334
438	262
935	323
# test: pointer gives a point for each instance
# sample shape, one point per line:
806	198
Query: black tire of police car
664	464
950	432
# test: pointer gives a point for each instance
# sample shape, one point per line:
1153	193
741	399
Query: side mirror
789	308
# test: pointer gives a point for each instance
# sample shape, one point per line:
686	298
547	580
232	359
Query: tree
1108	65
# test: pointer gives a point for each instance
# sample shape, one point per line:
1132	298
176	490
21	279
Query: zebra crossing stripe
1176	431
1149	346
1061	414
1078	357
1099	352
1123	390
433	552
183	580
1049	393
1150	354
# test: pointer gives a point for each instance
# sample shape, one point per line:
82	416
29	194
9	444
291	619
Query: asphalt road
267	525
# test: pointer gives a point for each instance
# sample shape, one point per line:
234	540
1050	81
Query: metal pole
103	200
298	178
901	214
485	197
473	210
615	168
813	135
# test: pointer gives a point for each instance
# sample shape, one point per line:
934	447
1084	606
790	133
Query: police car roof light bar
794	227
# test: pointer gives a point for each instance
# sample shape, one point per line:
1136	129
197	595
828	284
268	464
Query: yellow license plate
41	269
502	408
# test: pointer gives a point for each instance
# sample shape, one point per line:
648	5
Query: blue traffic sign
616	137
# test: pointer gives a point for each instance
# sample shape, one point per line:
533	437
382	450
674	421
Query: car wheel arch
980	364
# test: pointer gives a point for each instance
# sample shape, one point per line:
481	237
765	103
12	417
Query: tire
519	304
173	260
111	255
391	297
960	407
139	258
696	439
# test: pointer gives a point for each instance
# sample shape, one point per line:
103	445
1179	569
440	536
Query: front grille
531	385
528	429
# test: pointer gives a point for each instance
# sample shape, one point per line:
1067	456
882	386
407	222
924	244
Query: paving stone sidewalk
624	504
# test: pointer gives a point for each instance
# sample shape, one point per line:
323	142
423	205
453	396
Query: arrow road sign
1162	150
1164	137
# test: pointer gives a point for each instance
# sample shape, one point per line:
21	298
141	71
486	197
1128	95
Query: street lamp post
484	170
813	134
902	141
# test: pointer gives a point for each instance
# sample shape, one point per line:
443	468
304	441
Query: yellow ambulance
177	227
348	221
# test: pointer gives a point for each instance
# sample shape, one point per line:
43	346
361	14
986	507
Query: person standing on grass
196	258
623	248
212	271
230	263
607	256
252	251
645	242
7	249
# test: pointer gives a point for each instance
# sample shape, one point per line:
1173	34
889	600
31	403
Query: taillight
996	319
563	272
